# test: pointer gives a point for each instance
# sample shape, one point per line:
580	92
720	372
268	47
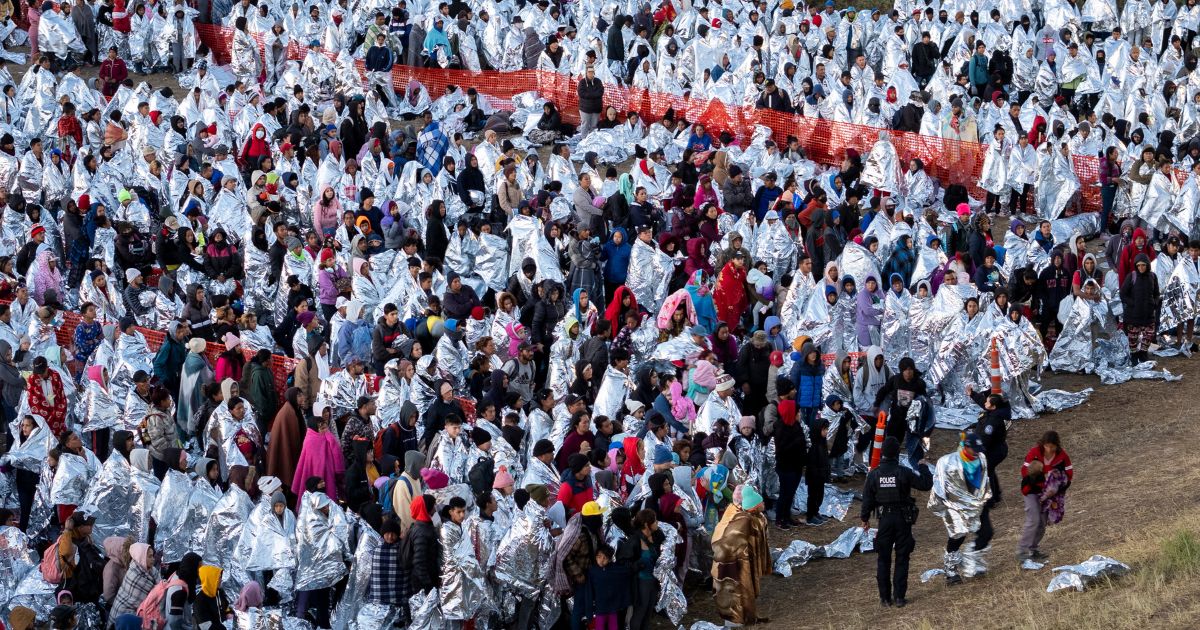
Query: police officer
887	493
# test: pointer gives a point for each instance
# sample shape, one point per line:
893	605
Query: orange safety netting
281	366
824	141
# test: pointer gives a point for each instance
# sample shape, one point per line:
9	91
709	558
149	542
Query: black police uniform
887	491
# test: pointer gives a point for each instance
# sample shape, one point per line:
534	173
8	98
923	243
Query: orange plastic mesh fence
824	141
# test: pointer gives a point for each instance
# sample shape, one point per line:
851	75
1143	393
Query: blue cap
451	324
830	399
662	454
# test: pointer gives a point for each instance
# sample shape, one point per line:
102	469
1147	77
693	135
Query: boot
951	560
974	562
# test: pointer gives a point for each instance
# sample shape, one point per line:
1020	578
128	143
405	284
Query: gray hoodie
10	378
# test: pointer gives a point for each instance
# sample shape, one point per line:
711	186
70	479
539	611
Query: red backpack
51	572
151	608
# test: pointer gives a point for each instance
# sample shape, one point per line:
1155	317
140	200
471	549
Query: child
607	590
1032	484
839	452
816	472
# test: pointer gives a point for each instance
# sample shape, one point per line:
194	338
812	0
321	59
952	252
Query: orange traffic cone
994	372
877	451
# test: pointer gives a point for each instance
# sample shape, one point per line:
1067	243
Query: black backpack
482	475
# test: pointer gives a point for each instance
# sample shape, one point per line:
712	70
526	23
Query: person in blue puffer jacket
615	255
774	330
807	373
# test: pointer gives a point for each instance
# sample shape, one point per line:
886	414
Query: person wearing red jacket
729	295
120	17
46	397
1049	451
255	148
1045	459
112	72
576	488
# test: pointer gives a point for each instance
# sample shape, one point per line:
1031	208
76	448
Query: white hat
268	485
197	345
770	215
131	273
724	383
341	301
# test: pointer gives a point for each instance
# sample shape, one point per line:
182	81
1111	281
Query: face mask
260	134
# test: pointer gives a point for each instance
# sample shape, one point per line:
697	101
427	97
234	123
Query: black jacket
458	305
435	418
777	100
170	252
905	479
992	427
753	367
1139	295
817	470
791	446
426	571
591	96
133	251
546	316
925	57
898	415
908	118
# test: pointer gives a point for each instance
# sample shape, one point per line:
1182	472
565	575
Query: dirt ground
1129	492
1114	441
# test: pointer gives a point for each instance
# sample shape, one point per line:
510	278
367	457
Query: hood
418	510
114	549
695	249
1016	223
872	353
413	462
624	237
210	580
407	410
1142	233
1141	258
140	553
770	323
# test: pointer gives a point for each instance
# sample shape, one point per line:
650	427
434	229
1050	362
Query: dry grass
1160	591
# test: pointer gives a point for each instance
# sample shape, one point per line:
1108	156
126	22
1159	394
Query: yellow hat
591	508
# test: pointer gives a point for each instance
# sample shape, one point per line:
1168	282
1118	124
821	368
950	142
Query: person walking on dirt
992	428
886	493
960	496
1045	476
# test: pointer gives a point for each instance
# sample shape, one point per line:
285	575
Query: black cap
543	447
480	436
891	447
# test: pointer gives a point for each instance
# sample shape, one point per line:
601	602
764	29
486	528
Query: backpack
378	447
51	571
482	474
385	497
151	608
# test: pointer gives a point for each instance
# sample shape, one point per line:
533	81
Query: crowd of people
428	360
